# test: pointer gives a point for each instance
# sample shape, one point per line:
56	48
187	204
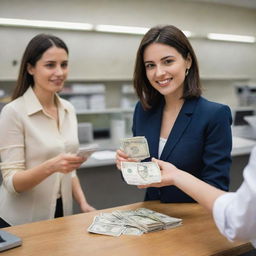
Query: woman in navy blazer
181	127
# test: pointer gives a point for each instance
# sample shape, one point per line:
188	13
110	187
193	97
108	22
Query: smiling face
165	69
50	71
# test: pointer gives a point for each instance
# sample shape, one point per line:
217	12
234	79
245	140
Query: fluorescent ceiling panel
46	24
230	37
121	29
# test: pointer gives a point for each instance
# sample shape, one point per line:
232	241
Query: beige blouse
28	137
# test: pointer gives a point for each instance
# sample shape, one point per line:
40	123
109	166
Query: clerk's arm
233	212
200	191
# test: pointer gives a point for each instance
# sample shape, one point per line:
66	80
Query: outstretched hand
168	172
65	163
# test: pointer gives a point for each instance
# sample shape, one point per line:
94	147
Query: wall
110	56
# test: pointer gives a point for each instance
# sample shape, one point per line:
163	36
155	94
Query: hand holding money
136	147
137	173
132	150
122	157
87	150
169	173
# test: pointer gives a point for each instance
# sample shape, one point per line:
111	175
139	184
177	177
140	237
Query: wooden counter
68	236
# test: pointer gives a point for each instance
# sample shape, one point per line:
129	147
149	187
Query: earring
187	70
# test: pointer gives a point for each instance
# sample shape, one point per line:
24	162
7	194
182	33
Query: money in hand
87	150
136	147
140	173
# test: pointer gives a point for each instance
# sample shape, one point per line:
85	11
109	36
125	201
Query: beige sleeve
11	146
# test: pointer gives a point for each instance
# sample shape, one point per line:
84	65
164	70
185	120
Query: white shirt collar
33	105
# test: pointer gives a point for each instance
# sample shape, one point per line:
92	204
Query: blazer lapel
152	133
179	127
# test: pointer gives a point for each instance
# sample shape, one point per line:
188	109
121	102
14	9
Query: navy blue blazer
200	143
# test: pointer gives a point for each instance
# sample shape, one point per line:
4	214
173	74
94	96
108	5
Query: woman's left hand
85	207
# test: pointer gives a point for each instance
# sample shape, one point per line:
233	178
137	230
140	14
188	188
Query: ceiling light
128	30
187	33
45	24
121	29
230	37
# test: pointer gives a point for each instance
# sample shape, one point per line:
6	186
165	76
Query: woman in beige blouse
38	140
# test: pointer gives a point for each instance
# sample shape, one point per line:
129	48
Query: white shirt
28	137
235	213
162	143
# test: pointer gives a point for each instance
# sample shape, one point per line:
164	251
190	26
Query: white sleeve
235	213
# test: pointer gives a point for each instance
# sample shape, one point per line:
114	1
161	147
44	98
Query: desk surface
68	236
242	146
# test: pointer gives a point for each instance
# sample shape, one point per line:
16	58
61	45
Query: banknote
113	220
106	229
132	231
136	147
168	221
87	150
140	173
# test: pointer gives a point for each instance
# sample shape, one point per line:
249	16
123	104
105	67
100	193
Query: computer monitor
240	113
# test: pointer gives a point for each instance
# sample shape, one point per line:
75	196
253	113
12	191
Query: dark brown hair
34	51
172	36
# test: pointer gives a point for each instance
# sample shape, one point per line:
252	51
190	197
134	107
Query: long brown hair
172	36
33	52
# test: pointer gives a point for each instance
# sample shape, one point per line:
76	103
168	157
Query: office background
107	60
108	56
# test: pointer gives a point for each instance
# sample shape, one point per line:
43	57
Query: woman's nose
59	70
160	71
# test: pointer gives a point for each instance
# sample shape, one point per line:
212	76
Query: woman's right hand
122	157
168	174
65	163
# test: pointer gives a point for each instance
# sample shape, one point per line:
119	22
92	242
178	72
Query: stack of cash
168	222
143	222
140	173
135	222
136	147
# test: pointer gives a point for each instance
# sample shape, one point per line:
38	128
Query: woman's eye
168	61
149	65
64	65
49	65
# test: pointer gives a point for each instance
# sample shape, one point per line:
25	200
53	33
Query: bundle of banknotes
138	173
132	222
